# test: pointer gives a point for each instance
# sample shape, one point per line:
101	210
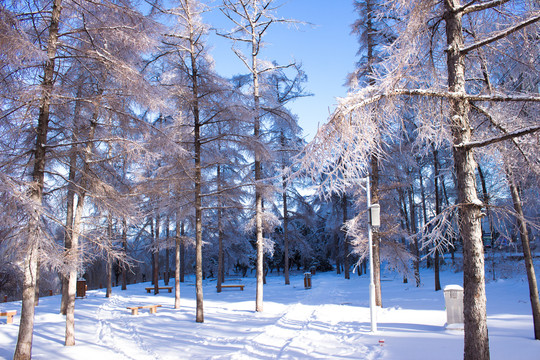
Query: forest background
126	156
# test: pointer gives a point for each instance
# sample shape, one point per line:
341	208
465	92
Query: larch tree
432	63
252	19
284	135
23	349
525	242
374	32
203	103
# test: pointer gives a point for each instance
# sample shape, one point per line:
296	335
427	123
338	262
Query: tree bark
414	229
258	174
285	218
182	254
376	238
476	341
23	349
73	251
220	276
337	253
344	201
124	248
436	167
68	233
167	253
155	255
36	288
69	339
198	180
109	257
177	262
527	255
485	199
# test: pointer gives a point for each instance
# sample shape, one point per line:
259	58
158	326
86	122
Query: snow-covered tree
435	60
252	19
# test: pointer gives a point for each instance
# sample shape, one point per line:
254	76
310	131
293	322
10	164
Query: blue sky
325	48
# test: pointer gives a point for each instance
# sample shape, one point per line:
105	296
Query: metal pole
372	306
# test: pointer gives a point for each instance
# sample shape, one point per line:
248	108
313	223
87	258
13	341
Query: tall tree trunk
182	254
337	253
109	257
414	229
376	238
437	211
258	175
476	341
344	202
220	276
405	226
23	349
151	221
73	255
167	253
285	217
178	240
36	289
527	255
198	187
72	258
155	274
423	196
68	233
485	199
124	249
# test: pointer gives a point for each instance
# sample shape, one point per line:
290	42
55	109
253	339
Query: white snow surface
329	321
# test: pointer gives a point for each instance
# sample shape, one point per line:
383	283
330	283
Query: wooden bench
9	314
233	286
135	309
148	289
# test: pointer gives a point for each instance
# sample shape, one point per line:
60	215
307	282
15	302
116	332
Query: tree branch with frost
438	233
469	7
501	34
497	139
501	129
393	252
359	100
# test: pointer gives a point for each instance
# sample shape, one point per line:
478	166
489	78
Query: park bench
233	286
148	289
135	309
9	314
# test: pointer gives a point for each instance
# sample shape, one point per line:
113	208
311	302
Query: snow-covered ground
330	321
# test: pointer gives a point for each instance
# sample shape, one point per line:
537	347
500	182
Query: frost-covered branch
496	139
438	233
360	100
469	7
500	35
